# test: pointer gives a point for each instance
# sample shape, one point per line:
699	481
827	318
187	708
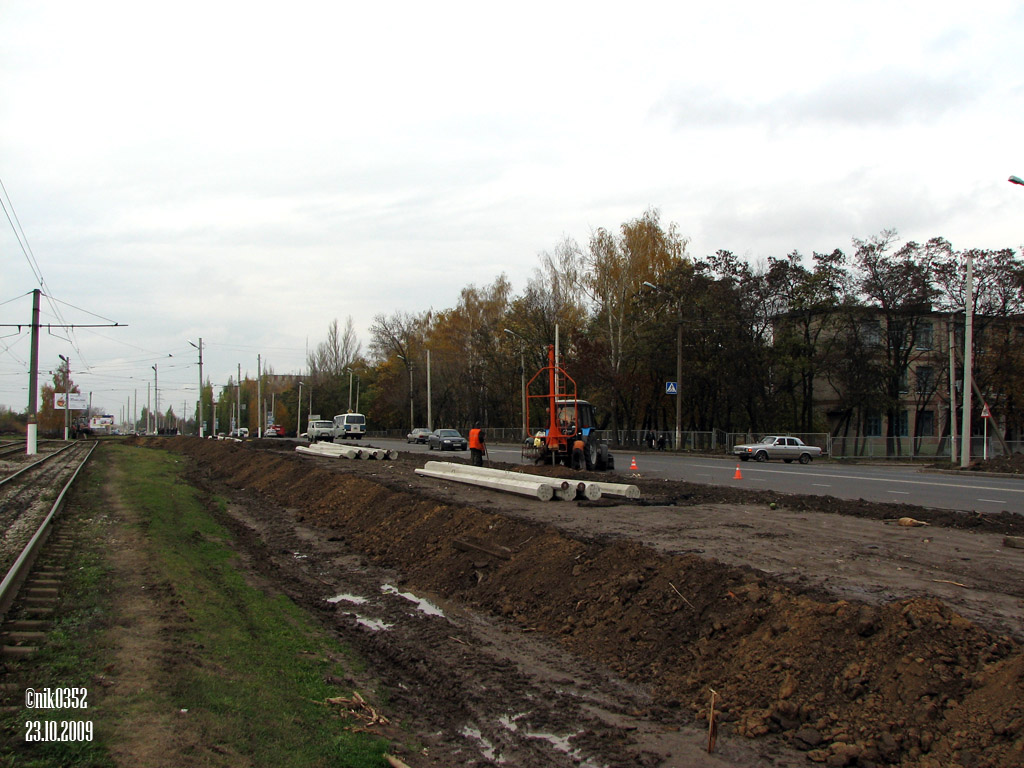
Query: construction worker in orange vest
477	445
578	460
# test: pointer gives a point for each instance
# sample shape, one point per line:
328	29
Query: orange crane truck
570	422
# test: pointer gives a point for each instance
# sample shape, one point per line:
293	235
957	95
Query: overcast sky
248	172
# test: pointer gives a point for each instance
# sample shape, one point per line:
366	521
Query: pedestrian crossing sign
671	388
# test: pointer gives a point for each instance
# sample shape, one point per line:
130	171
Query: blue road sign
671	388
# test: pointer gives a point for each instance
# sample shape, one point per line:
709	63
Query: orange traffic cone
632	464
738	475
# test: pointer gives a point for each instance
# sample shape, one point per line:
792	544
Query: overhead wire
30	257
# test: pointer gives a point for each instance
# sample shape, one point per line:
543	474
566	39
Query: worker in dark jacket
477	445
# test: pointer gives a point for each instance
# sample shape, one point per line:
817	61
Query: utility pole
259	396
965	430
952	394
67	400
200	348
32	432
156	402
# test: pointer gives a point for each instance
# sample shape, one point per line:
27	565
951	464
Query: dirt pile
904	683
1012	464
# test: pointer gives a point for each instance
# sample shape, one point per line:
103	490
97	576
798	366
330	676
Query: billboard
79	402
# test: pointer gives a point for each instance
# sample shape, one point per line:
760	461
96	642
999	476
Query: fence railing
915	447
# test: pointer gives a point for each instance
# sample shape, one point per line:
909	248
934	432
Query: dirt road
571	633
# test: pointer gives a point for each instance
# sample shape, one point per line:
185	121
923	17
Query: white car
788	449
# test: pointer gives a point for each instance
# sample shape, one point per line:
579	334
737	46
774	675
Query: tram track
30	501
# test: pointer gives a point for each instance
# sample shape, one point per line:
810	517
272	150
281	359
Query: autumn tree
610	273
472	371
396	343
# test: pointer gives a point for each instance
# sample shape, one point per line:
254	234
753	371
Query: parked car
447	440
320	429
788	449
274	431
418	435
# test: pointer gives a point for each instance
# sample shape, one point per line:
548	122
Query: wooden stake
681	595
712	724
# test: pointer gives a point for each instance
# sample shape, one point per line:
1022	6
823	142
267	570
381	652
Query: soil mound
908	683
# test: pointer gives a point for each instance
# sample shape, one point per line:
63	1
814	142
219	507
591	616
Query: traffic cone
632	464
738	475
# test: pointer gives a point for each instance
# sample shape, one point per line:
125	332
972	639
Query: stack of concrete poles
564	489
346	451
539	488
525	484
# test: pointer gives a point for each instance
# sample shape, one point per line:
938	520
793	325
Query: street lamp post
679	362
522	375
430	409
408	364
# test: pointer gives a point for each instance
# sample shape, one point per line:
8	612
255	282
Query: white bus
351	426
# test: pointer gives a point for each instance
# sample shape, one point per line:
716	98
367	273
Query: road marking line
902	493
995	501
891	480
822	485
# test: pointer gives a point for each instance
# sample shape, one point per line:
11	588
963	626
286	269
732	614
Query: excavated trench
905	681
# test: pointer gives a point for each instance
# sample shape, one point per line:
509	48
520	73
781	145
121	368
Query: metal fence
928	448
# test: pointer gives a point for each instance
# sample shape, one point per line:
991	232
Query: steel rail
19	571
47	457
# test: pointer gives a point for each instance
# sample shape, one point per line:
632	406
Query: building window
871	333
926	423
905	381
873	424
924	336
925	376
903	424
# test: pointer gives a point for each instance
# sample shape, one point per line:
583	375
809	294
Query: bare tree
334	355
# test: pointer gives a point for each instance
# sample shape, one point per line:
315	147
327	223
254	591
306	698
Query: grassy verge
245	672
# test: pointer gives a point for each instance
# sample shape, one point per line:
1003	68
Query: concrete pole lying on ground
527	487
619	489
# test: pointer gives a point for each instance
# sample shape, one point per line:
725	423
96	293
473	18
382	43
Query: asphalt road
872	482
